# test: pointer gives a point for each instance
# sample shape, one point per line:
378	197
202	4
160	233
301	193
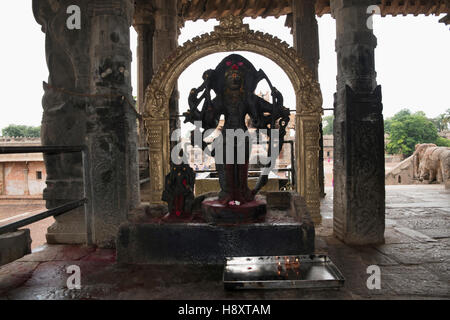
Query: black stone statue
234	82
179	192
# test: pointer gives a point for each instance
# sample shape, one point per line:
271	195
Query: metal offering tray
281	272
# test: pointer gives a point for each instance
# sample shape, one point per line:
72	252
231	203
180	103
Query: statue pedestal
147	239
215	212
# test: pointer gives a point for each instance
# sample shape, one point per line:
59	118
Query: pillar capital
166	17
116	8
166	30
341	4
355	45
144	14
306	34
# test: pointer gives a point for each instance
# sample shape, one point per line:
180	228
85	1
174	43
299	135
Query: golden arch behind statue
232	35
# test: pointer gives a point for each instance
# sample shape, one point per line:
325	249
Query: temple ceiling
216	9
208	9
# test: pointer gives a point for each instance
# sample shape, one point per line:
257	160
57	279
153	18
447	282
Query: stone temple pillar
64	118
144	24
359	194
111	120
306	33
165	41
87	101
306	42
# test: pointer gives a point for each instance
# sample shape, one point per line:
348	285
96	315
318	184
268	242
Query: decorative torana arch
232	35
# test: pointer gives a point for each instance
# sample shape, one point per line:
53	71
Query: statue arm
257	110
211	114
193	114
261	106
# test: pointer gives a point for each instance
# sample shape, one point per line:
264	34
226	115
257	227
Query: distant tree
402	114
420	113
328	123
387	125
399	116
14	130
407	129
446	119
442	121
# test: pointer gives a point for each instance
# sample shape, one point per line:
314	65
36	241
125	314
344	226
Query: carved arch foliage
232	35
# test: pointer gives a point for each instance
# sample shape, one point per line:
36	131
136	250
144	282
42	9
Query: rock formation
428	164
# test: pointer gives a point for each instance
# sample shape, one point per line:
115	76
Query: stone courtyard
414	262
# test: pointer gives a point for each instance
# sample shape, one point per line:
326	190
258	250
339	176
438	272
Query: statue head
234	72
234	80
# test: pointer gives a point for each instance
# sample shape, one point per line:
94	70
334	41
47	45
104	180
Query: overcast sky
412	61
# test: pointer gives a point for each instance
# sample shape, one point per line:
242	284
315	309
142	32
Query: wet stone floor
414	263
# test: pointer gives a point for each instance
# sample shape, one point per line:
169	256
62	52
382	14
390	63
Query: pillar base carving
359	194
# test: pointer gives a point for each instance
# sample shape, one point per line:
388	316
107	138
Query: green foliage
407	129
442	142
446	119
328	123
442	121
14	130
399	116
387	125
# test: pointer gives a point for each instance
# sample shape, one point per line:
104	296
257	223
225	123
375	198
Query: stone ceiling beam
207	9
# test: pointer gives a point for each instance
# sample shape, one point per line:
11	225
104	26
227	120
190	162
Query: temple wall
20	178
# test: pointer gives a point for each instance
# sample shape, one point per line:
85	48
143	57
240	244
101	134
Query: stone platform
287	230
216	212
14	245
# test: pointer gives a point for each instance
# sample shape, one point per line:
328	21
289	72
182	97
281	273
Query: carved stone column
306	42
88	101
111	128
306	33
64	118
307	144
162	124
144	24
166	31
165	42
359	194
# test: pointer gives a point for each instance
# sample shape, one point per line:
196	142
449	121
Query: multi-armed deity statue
234	82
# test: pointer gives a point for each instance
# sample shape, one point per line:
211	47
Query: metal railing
291	169
52	150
